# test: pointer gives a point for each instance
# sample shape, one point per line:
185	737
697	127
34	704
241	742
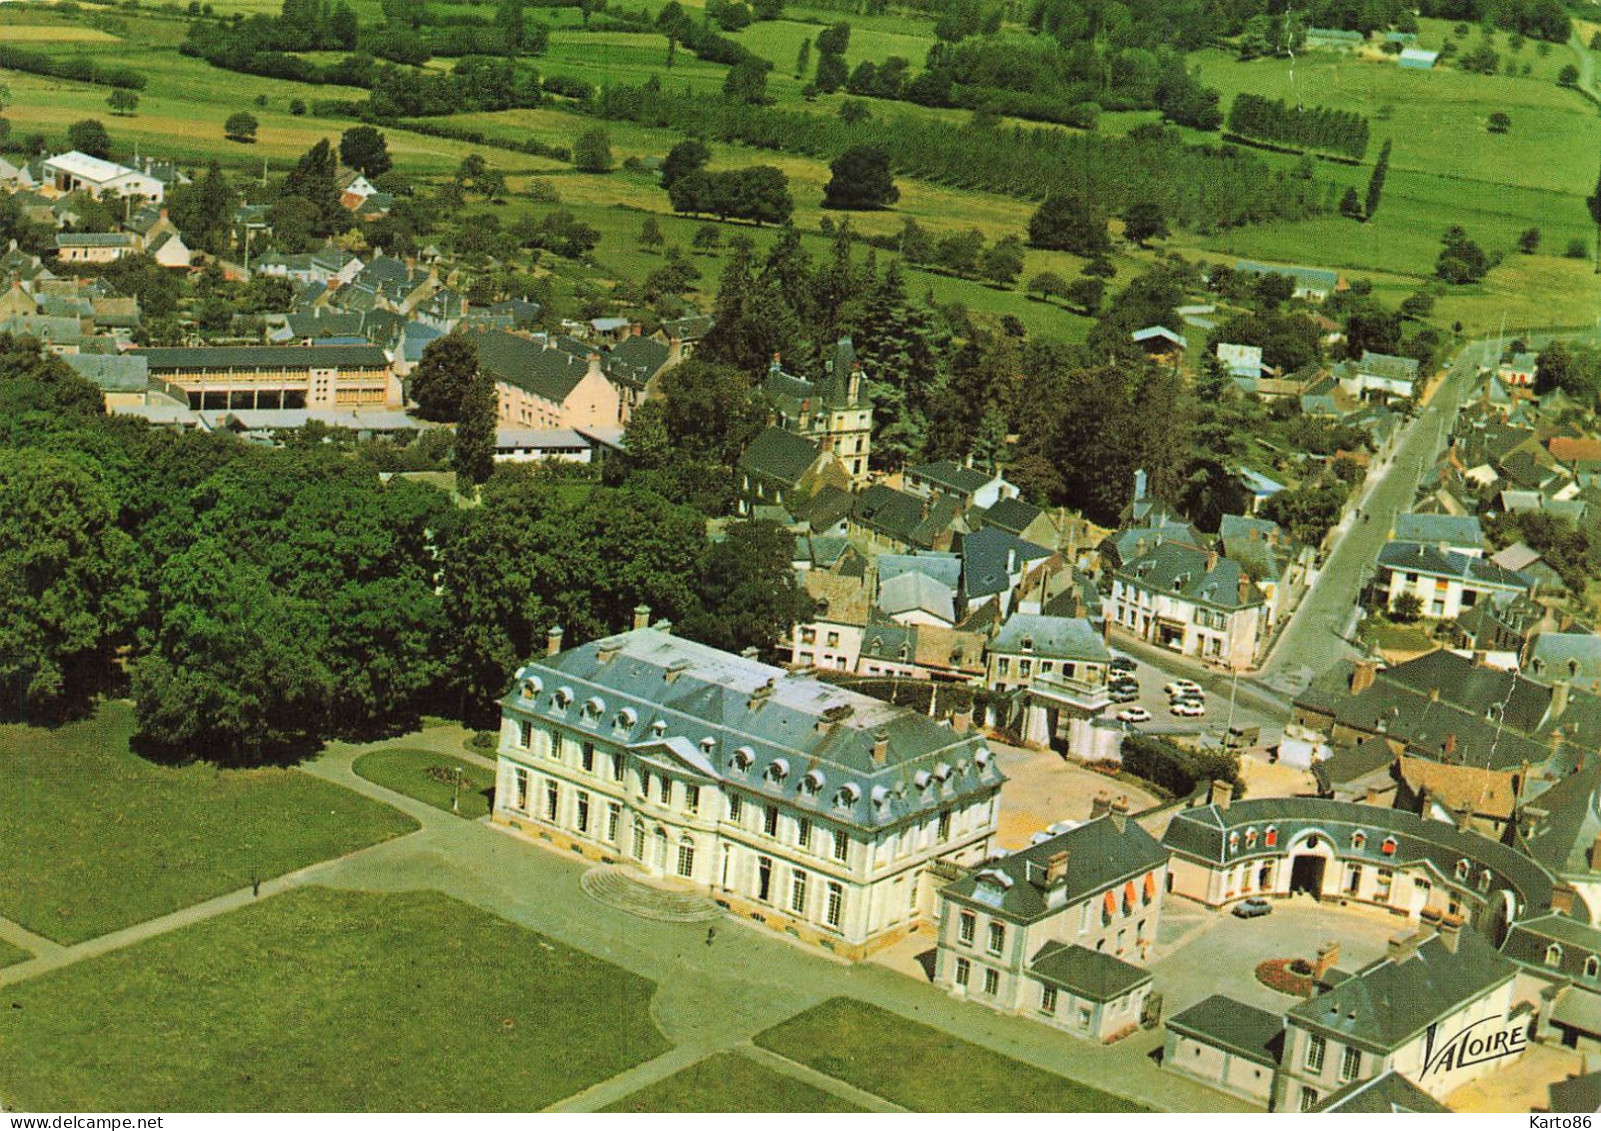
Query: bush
1177	770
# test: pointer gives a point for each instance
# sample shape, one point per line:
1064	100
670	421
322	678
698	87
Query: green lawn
408	771
1384	633
11	955
730	1082
321	1000
95	838
922	1068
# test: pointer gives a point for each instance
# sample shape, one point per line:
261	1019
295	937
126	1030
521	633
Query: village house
834	411
1191	601
541	387
1446	582
78	172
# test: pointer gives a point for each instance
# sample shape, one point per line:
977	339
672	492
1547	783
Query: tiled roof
843	600
1388	1094
1421	558
1488	793
950	476
1088	974
544	370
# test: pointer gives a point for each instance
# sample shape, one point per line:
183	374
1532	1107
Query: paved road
1316	637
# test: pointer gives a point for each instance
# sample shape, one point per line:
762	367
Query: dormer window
1234	842
982	758
708	745
1271	837
1250	838
1028	644
626	719
1553	955
1592	967
849	794
531	688
743	757
658	728
1484	879
778	770
1493	714
921	779
812	782
562	698
1358	840
1389	846
1462	869
594	707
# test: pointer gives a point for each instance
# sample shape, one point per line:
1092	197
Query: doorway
1306	874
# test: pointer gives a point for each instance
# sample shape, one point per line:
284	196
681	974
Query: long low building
276	377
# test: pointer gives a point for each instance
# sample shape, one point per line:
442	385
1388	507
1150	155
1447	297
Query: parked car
1181	686
1121	664
1134	715
1188	708
1124	694
1252	908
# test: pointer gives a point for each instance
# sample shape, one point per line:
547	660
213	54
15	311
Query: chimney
1451	932
1220	794
1011	561
1434	695
778	363
1056	868
639	329
750	652
1101	805
641	617
664	626
553	641
759	696
1401	947
1562	899
880	747
594	366
1362	678
1139	484
1450	744
1327	955
1119	813
1211	560
1480	659
1245	587
1559	699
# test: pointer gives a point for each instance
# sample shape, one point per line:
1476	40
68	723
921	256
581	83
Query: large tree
1381	169
861	180
89	136
748	593
1069	223
442	377
365	148
473	455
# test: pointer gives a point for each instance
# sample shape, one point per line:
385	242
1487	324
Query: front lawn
430	777
95	838
730	1082
1392	636
924	1069
322	1000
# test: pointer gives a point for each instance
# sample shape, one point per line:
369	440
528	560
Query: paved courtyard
1042	788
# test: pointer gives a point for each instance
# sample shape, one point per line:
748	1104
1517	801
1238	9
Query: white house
1445	581
78	172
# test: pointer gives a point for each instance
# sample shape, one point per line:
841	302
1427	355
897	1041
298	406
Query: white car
1188	708
1134	715
1181	687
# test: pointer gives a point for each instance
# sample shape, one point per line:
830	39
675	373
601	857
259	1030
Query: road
1316	636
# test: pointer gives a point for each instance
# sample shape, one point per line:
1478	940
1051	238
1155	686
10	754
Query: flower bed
1287	976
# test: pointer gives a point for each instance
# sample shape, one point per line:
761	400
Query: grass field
884	1053
406	771
318	1000
95	838
11	955
730	1082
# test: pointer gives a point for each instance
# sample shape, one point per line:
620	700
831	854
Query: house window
1358	839
639	839
1250	838
1309	1099
614	815
586	757
834	910
1388	848
616	767
797	892
832	640
1315	1048
583	811
764	878
1592	966
686	857
1553	955
966	925
1025	667
1350	1063
997	937
525	734
770	820
803	832
1271	837
842	844
945	824
1382	892
692	798
1005	666
665	790
964	970
992	981
552	800
808	636
520	788
1048	999
1462	869
736	808
644	783
1084	918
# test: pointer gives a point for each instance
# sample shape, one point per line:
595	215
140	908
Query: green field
318	1000
407	771
884	1053
11	955
730	1082
95	838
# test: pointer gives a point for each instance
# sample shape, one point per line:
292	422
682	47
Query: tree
1461	260
1351	205
832	73
89	136
1002	262
746	82
1069	223
707	239
592	151
365	149
650	234
473	454
314	179
959	252
834	40
1143	221
240	126
122	101
203	210
1568	76
853	112
748	594
1593	202
1048	285
343	27
861	180
1529	241
440	382
688	156
1381	169
1406	608
803	58
1272	291
1086	294
1499	122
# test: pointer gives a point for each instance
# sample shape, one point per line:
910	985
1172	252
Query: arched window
707	745
1592	967
849	794
778	770
982	758
532	687
1462	869
1271	837
1250	838
626	719
1484	879
1234	842
1553	955
1389	846
743	757
639	839
686	857
561	698
812	782
1359	839
594	707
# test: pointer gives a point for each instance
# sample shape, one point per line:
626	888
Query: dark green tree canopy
861	180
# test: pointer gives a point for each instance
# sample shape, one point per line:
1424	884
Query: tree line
1302	127
79	68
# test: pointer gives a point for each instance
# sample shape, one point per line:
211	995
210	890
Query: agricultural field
321	1000
146	840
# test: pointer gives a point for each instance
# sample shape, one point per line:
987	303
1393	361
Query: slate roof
917	592
829	507
543	370
891	512
950	476
1389	1094
1099	856
1574	656
1312	278
943	568
803	733
1065	638
94	239
1089	974
1176	569
1578	1094
1243	1030
1454	530
1388	366
1388	1003
162	358
635	358
690	328
112	373
778	455
985	554
1564	836
1202	834
1350	763
1528	941
1428	560
1011	515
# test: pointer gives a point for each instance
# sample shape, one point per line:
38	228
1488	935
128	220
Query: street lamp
455	793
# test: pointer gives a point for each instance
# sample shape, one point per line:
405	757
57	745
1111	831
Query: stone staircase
617	888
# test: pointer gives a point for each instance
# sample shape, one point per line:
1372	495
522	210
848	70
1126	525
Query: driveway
1217	953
